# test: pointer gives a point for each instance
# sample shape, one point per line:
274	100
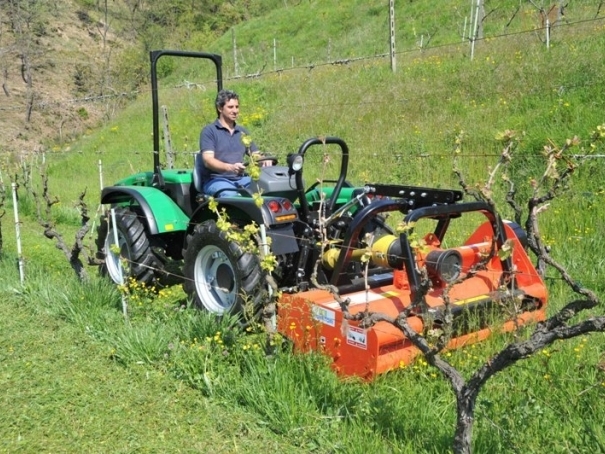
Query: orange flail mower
502	292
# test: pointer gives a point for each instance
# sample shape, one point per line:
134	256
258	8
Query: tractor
338	257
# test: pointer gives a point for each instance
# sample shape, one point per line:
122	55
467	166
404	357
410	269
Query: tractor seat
200	195
197	177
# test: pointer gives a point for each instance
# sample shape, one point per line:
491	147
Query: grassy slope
411	116
61	393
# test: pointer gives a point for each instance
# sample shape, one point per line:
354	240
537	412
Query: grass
72	342
408	120
201	385
62	392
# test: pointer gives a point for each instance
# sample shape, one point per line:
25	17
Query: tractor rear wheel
220	277
134	247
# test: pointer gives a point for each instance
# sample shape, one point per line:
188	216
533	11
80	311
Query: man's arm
219	166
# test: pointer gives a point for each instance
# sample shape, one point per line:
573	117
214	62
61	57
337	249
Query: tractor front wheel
220	277
133	257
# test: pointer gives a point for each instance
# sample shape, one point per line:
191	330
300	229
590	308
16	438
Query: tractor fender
241	209
244	210
162	214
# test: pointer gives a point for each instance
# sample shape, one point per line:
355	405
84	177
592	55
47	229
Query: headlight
295	162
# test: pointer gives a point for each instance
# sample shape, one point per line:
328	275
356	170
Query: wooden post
100	164
464	29
274	54
470	23
235	67
167	140
474	38
18	235
392	30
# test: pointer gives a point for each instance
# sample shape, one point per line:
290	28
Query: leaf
269	263
258	199
367	255
434	334
213	204
506	250
246	140
254	170
404	227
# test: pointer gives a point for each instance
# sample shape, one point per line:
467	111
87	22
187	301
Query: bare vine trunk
465	411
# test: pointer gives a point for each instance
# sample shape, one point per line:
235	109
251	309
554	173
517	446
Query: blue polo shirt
227	147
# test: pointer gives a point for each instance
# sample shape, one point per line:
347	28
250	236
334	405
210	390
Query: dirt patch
52	73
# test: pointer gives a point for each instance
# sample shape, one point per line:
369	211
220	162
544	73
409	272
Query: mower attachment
486	285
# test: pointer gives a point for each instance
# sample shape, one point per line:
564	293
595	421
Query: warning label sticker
357	337
323	315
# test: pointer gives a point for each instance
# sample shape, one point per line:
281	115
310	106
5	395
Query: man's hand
221	167
237	168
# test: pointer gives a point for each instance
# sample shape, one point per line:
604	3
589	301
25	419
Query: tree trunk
465	404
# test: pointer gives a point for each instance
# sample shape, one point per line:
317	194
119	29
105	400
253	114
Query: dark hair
222	97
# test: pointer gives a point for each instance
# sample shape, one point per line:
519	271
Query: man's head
222	98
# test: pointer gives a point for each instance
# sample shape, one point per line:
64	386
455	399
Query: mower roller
338	258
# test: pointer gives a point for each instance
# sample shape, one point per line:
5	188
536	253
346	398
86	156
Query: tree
78	251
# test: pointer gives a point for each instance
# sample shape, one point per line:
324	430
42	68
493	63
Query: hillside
48	60
70	66
303	68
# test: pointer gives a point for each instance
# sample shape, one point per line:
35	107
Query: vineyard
209	386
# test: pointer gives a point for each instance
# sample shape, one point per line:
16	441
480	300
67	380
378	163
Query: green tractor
161	218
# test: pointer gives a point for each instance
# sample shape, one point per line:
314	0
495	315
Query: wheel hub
113	261
215	280
224	278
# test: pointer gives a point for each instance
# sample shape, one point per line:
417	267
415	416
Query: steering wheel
271	159
262	159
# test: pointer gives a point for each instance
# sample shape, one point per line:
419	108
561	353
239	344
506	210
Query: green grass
75	374
62	392
407	120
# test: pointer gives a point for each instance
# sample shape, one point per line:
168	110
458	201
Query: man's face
230	110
